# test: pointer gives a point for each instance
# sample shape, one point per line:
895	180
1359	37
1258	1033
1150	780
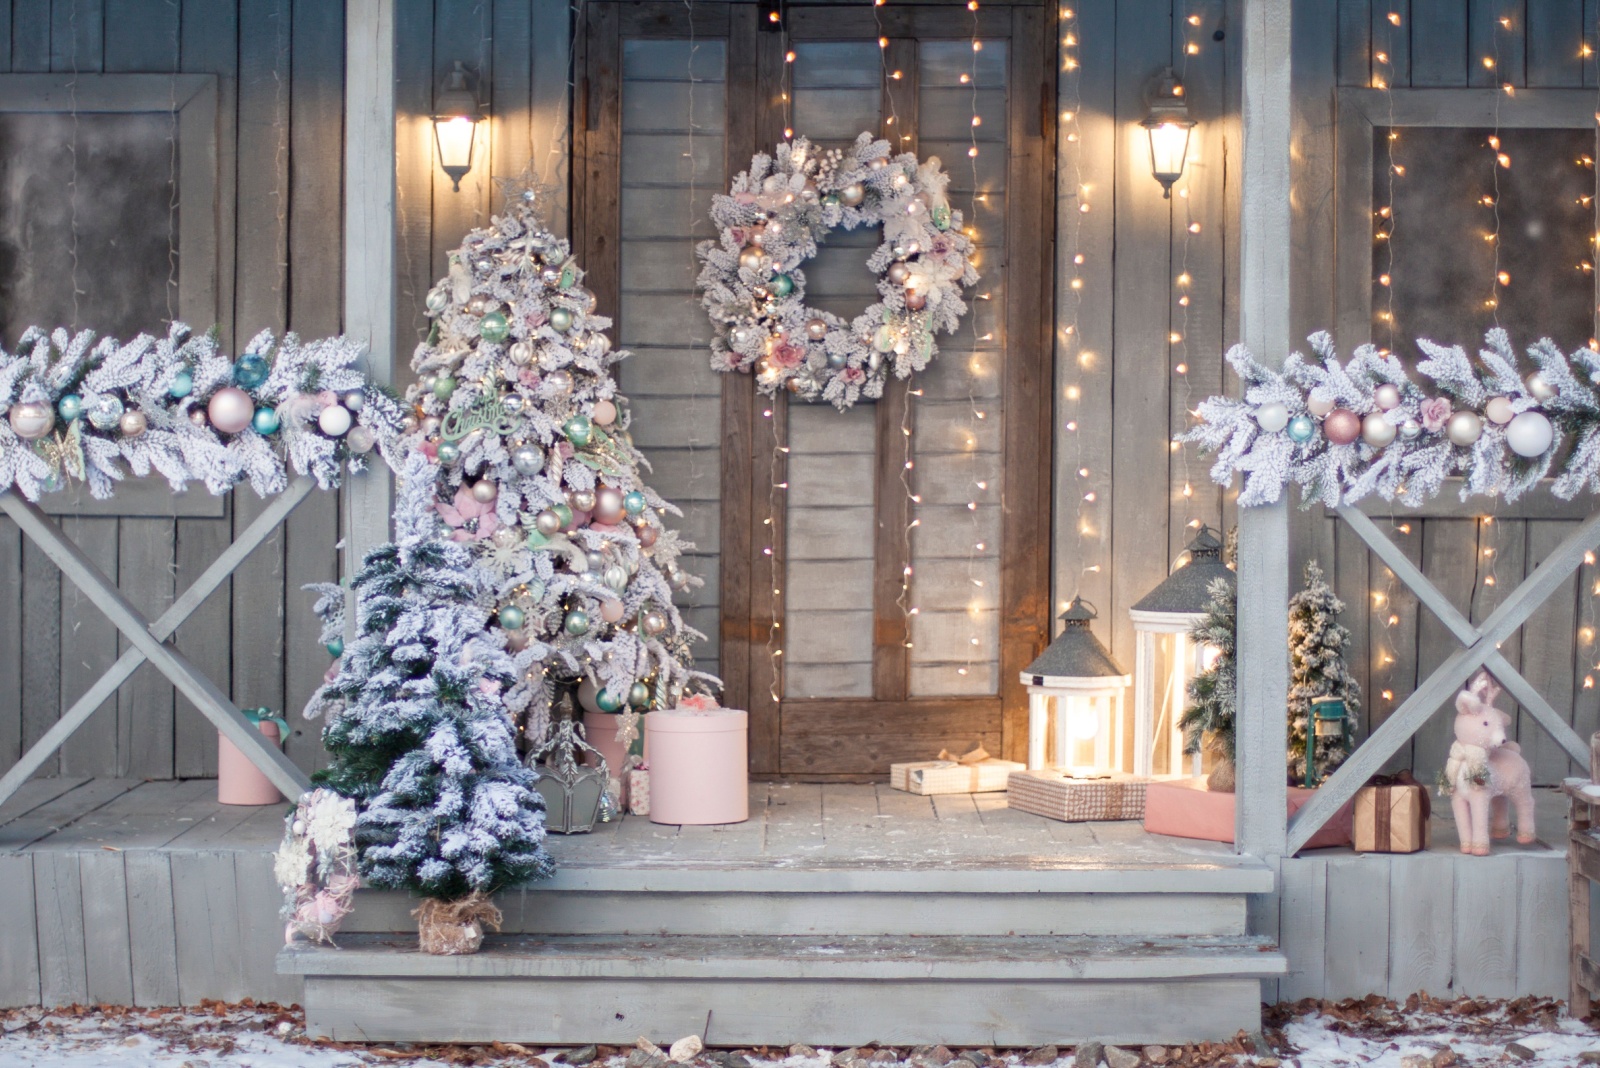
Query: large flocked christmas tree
1317	668
417	728
539	479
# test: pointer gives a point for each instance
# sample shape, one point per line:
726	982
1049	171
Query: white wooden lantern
1165	657
1086	685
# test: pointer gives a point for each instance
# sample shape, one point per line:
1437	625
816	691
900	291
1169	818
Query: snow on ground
1423	1033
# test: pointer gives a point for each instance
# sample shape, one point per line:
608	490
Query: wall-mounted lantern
1169	125
455	125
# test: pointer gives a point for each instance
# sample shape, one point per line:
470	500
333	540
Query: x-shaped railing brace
1480	648
148	641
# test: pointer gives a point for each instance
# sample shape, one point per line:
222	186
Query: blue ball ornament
182	385
607	701
512	617
250	370
577	623
633	503
335	648
449	452
1301	429
265	421
782	285
70	406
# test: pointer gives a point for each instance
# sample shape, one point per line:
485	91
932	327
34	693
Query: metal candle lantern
1164	657
573	792
1086	685
1329	719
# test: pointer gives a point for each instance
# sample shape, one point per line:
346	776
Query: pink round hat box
699	765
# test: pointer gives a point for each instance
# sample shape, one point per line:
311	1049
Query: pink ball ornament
607	505
1342	426
1387	396
611	609
231	409
604	413
1319	407
1499	411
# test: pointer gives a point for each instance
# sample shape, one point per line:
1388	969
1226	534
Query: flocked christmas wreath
771	222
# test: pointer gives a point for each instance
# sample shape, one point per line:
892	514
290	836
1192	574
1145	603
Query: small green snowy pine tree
1209	716
418	730
1317	642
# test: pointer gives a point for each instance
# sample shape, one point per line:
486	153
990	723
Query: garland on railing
771	223
1343	431
177	406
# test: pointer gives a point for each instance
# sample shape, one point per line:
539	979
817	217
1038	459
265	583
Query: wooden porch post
1264	532
369	239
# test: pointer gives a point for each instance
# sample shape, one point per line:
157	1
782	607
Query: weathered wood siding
1475	555
280	69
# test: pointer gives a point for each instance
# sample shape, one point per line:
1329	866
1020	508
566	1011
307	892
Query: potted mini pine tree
1208	718
1318	673
420	737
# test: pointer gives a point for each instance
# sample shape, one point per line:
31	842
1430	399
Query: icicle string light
1070	336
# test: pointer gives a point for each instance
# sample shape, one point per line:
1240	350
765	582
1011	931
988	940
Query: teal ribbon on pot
258	716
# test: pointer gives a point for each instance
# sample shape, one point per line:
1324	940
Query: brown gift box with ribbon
1392	815
1061	796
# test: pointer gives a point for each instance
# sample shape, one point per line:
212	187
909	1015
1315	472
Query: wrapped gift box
638	780
1184	808
1392	818
952	776
1107	796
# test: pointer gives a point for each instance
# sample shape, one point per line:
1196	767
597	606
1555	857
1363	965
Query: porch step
1200	899
969	990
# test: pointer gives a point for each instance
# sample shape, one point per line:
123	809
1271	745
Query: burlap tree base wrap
453	928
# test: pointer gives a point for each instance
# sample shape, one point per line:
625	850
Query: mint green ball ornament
335	648
69	407
512	617
494	327
560	320
782	285
639	695
607	701
444	386
577	623
578	430
182	385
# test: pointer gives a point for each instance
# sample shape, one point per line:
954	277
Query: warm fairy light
1181	369
1488	62
1194	20
1394	18
1388	695
1379	599
1194	228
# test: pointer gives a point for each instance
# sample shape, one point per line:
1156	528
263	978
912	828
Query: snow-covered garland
771	223
1344	431
177	406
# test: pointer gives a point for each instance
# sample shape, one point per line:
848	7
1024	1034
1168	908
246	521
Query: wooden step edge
943	958
1244	878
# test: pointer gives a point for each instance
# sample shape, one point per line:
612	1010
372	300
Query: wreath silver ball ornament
771	222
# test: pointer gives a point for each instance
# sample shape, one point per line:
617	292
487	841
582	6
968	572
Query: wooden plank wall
1436	922
1474	558
280	65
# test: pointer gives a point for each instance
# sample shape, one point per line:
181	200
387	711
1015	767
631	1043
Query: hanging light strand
977	485
1178	332
1070	336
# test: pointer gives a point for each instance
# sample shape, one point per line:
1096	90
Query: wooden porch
837	909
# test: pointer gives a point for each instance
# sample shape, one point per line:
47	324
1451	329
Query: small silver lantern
573	792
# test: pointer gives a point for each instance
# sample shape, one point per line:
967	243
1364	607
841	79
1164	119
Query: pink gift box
600	730
1184	808
699	765
638	780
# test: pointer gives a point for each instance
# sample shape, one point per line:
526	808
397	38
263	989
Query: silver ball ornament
521	353
547	523
512	403
106	412
559	381
353	399
1464	428
31	420
852	195
1376	430
1410	430
361	440
484	490
653	623
132	424
527	460
581	500
1530	434
616	577
1272	417
1539	388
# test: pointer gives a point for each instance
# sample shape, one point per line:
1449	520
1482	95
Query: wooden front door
875	579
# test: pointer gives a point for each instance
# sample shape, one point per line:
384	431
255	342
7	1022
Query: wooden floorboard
62	812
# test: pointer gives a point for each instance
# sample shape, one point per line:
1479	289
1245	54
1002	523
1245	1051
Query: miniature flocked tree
418	731
1317	642
516	403
1208	717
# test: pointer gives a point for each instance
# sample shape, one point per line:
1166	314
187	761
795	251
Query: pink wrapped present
699	765
638	790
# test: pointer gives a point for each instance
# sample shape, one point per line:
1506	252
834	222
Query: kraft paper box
1184	808
1392	819
1046	792
951	777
